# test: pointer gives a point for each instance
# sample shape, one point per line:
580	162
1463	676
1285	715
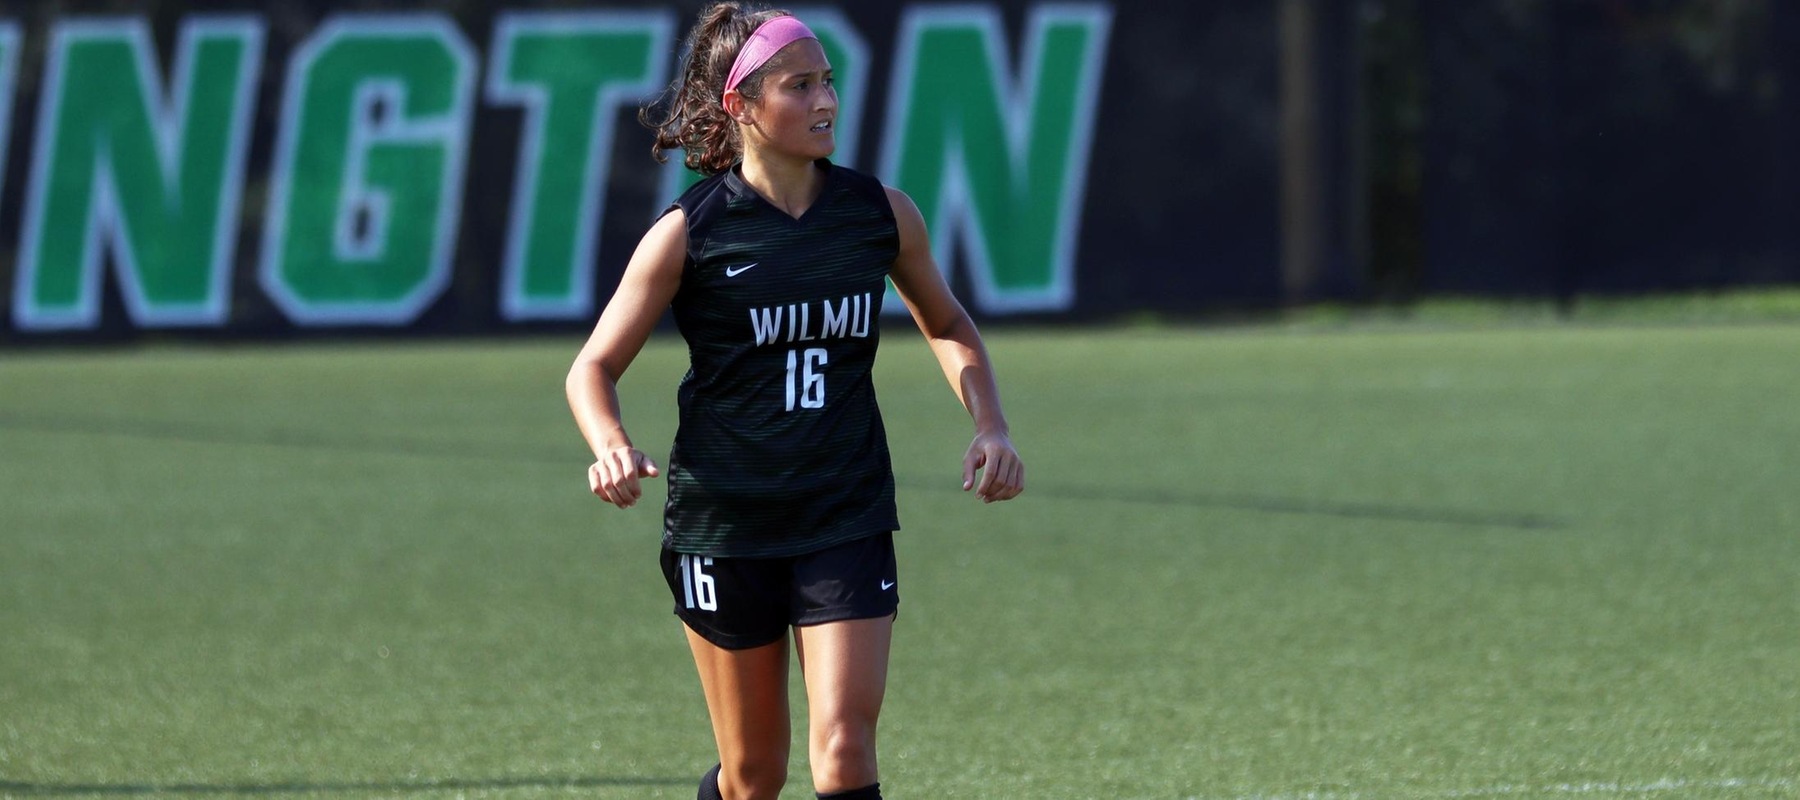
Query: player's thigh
845	665
845	599
746	698
735	613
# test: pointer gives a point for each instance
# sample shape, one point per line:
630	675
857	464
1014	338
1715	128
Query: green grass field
1537	560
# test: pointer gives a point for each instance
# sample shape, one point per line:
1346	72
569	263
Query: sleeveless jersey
780	449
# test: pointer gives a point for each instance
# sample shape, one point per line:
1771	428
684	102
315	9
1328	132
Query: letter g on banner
368	170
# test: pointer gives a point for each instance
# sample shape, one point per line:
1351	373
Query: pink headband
763	44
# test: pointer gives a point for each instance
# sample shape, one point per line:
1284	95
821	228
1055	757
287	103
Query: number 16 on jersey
696	584
805	380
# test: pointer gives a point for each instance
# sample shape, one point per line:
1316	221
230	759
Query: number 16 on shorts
696	585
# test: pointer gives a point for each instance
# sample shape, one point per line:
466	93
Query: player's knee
844	757
753	779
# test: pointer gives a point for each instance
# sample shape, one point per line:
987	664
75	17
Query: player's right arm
651	279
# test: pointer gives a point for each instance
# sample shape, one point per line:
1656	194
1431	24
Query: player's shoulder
907	218
704	202
865	187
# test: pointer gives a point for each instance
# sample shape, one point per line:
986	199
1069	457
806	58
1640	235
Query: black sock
870	792
709	785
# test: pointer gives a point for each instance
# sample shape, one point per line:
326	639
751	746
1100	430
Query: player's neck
790	185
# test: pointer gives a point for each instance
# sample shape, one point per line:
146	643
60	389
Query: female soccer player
781	496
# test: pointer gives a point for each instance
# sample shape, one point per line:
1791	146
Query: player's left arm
962	355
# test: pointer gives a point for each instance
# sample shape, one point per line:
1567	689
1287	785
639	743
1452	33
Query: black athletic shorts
739	603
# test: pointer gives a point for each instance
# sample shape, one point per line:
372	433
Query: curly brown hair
690	114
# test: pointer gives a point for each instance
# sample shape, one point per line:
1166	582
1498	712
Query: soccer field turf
1540	561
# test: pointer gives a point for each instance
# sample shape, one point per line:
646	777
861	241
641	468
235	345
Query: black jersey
780	449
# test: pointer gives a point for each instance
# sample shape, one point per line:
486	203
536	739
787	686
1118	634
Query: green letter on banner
367	179
154	182
572	72
996	163
849	56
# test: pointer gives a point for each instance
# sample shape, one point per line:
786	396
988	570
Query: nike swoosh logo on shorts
732	272
886	585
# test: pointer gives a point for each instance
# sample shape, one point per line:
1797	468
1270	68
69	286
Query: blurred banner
230	168
272	169
1609	146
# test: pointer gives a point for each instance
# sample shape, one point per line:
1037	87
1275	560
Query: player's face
797	114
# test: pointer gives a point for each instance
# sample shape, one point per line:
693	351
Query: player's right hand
614	477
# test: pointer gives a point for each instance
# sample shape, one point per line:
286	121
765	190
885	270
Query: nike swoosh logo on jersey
732	272
886	585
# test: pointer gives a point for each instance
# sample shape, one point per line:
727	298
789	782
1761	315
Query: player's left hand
1001	470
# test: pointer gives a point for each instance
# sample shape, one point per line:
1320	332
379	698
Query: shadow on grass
11	788
1276	504
572	457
